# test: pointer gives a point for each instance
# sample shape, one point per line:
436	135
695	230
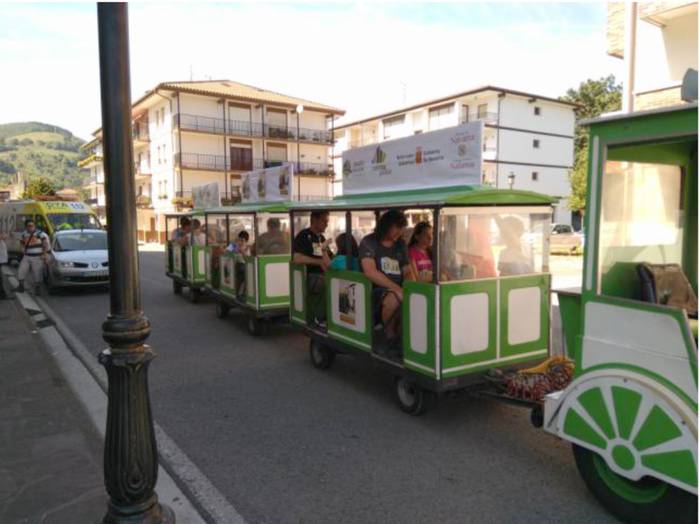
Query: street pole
130	453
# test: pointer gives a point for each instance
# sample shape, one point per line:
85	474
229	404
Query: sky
366	58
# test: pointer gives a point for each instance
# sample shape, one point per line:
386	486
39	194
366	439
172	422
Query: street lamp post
300	110
130	454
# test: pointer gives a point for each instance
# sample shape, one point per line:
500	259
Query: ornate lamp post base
131	455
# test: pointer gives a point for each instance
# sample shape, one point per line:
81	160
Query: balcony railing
244	128
217	162
314	169
139	133
488	118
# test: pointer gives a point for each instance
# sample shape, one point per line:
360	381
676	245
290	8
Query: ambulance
49	216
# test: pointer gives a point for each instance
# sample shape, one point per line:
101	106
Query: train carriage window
641	221
477	243
273	234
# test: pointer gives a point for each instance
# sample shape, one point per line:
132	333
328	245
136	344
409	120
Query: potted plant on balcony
143	201
182	203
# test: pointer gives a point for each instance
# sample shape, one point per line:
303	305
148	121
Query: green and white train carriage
631	411
478	313
185	265
258	282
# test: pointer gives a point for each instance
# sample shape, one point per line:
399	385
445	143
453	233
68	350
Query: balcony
198	161
139	134
314	169
91	160
488	118
244	128
143	171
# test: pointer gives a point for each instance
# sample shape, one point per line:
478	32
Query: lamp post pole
130	454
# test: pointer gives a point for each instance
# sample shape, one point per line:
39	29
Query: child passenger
420	251
339	261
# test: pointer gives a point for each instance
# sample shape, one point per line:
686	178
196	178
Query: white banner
446	157
206	196
273	184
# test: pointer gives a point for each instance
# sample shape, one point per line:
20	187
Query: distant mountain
38	149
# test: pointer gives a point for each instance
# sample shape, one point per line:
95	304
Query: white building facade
187	134
528	139
658	42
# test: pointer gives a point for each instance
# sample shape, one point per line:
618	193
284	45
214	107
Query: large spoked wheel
322	357
645	501
222	310
256	327
194	295
412	398
177	287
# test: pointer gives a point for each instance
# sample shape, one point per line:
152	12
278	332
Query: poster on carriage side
206	196
442	158
273	184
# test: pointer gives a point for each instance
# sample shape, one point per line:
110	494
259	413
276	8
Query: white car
78	258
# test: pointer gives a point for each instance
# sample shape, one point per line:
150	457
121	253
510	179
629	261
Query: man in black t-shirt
310	244
311	250
384	259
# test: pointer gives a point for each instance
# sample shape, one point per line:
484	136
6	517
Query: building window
482	110
464	115
535	176
392	126
536	143
440	117
537	111
159	157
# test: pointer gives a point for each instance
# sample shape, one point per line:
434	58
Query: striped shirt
34	242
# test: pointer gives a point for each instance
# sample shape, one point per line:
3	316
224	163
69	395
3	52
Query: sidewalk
50	454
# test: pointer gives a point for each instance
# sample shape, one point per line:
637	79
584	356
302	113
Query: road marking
201	501
185	474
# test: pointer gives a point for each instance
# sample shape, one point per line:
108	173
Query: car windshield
74	221
81	241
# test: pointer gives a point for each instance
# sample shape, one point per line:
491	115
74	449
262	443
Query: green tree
594	98
39	186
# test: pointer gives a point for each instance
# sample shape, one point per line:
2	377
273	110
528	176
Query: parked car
78	258
564	240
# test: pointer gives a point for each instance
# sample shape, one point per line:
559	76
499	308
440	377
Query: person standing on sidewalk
35	248
3	261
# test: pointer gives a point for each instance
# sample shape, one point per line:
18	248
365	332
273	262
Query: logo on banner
267	185
447	157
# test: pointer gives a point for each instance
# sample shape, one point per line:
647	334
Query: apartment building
96	182
658	42
186	134
527	140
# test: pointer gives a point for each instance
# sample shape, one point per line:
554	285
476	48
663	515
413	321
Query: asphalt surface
285	442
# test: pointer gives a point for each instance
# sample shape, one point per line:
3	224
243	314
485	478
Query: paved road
287	443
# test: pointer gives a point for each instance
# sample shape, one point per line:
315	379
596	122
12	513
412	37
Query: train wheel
255	326
222	309
177	287
412	398
322	357
194	295
645	501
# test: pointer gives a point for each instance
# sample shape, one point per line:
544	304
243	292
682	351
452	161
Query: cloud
354	56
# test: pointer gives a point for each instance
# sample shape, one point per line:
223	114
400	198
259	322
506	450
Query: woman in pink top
420	251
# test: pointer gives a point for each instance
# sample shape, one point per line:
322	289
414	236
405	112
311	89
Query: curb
181	485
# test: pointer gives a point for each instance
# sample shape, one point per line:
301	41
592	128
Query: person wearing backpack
35	248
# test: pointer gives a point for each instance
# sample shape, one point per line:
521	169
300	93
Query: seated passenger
274	241
240	245
339	261
512	260
420	252
181	235
197	236
384	259
310	248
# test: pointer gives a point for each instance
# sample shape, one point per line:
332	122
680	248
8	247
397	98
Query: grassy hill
37	149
